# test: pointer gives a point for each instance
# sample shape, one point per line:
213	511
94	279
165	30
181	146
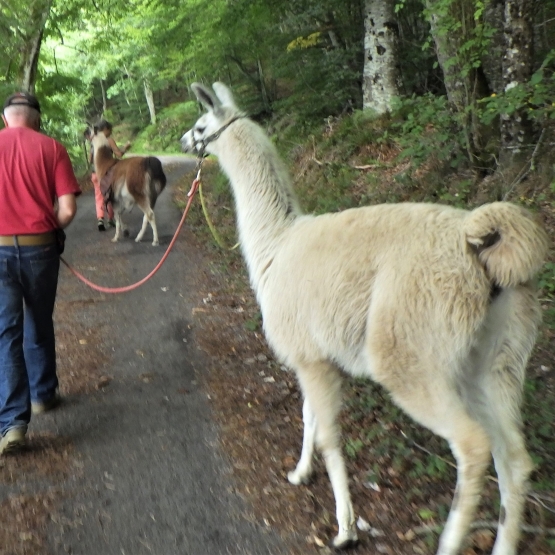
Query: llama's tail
509	242
153	168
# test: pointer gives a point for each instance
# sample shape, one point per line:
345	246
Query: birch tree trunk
381	71
516	131
150	101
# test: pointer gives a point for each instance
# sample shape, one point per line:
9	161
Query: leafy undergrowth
402	476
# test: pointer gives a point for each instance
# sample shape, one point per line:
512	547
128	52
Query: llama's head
221	110
98	139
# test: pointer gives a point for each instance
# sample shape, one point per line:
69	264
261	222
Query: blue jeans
28	284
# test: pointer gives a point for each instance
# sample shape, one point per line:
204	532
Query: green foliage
535	98
425	127
462	22
314	97
546	280
426	514
254	323
352	447
539	415
171	123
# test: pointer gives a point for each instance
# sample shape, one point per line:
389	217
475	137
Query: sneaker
12	440
111	223
39	407
101	225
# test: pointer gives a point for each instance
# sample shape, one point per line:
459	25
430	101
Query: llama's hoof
346	539
298	477
155	243
137	240
115	240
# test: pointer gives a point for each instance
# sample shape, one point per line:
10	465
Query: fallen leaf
103	381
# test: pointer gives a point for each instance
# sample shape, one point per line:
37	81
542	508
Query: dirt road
134	461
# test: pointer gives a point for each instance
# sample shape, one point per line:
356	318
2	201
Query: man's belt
28	240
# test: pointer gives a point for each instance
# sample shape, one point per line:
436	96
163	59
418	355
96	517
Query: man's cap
22	99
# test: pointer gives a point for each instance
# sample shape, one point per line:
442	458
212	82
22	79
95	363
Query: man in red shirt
37	199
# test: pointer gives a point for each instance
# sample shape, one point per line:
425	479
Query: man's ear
5	121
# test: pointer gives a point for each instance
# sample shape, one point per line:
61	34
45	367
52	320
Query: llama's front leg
321	384
117	217
303	470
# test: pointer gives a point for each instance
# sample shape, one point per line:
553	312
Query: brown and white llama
434	303
136	180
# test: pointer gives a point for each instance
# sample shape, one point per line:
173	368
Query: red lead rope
191	195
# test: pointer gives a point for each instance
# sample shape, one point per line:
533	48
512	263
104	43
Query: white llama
434	303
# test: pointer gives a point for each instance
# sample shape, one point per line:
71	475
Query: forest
467	81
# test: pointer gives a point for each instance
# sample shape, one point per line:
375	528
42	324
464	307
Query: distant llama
434	303
136	180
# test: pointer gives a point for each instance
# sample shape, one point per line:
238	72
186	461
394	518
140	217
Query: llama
434	303
134	181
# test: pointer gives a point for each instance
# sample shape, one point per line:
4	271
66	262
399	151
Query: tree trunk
516	131
33	42
381	70
30	62
453	26
104	99
494	18
150	101
447	45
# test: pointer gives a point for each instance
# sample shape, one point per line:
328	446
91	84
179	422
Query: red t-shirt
34	171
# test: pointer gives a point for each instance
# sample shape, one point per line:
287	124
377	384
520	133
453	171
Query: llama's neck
103	155
265	202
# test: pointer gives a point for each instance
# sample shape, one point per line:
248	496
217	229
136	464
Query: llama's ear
224	94
205	97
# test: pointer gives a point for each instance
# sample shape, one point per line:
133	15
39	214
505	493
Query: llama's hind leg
321	385
440	409
471	446
513	466
149	218
303	470
513	321
119	226
143	229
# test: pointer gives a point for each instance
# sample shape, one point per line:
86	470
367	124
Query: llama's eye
200	130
